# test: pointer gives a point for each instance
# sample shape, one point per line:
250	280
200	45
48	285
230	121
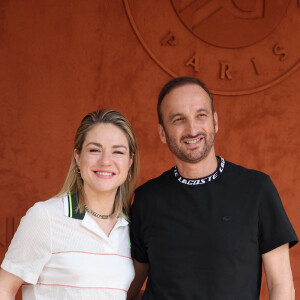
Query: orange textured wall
62	59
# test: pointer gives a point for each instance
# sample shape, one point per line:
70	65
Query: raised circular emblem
231	24
236	46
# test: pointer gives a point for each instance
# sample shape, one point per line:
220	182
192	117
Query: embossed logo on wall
236	46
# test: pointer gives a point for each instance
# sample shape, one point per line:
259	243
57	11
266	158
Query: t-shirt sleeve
138	249
30	248
274	225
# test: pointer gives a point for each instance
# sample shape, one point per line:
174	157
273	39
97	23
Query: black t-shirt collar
203	180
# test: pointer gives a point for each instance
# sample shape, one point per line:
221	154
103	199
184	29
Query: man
203	229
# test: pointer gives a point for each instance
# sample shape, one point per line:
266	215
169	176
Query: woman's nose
105	158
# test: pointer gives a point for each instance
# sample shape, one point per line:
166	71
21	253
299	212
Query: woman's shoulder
52	206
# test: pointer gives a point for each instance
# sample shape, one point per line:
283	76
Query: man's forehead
186	97
188	87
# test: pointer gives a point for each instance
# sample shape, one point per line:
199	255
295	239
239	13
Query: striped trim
77	287
84	252
70	205
71	201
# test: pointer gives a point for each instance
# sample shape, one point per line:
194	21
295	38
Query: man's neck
199	169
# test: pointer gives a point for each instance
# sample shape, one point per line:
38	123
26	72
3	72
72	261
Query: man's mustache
200	134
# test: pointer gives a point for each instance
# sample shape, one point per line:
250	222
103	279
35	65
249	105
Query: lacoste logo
226	218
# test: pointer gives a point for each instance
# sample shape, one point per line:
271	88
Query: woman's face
104	160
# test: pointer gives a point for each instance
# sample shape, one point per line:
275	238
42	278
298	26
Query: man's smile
193	140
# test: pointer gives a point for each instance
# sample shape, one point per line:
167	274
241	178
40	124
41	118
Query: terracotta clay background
62	59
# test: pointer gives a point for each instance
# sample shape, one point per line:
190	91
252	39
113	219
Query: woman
76	245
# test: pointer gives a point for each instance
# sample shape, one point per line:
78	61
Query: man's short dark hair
177	82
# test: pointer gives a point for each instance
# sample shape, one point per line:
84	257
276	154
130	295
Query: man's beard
195	155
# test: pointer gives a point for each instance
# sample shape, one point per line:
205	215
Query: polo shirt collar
70	207
71	211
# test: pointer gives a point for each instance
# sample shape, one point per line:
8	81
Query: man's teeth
193	141
104	173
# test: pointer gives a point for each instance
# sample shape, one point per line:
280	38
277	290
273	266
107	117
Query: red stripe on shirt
61	252
77	287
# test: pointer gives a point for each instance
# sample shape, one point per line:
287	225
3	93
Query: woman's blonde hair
74	182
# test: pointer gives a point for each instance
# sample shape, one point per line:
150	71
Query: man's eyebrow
172	116
202	110
100	145
175	115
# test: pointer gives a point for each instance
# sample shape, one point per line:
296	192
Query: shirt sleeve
138	249
30	248
274	225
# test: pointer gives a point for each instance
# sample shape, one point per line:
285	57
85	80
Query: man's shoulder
155	183
240	174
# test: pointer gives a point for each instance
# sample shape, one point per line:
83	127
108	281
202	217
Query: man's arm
9	285
279	274
141	272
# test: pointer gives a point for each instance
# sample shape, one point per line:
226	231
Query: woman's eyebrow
120	146
95	144
100	145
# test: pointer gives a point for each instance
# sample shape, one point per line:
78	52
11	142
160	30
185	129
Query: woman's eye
118	152
94	150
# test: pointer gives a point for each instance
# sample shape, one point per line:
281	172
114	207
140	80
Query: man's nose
191	128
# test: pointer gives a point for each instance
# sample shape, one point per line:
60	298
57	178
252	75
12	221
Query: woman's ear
131	159
77	157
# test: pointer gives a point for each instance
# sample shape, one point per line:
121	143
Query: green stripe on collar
73	203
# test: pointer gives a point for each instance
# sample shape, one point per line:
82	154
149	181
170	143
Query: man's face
189	125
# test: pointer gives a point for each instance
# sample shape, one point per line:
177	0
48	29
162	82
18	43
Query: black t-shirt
204	237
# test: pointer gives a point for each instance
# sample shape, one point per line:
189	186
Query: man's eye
178	120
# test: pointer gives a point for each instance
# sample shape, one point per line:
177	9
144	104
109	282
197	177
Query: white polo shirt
62	254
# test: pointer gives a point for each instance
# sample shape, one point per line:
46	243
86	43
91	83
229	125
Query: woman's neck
102	203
